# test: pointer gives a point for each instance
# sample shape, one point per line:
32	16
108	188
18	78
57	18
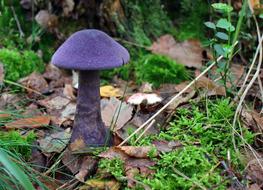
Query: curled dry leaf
166	146
114	111
33	122
188	53
138	98
55	142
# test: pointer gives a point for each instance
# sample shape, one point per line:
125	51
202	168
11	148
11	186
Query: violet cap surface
90	49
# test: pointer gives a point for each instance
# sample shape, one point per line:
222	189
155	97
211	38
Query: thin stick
174	98
21	86
17	23
146	129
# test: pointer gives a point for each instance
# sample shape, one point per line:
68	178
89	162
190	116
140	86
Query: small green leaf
222	35
210	25
224	24
261	16
222	7
219	49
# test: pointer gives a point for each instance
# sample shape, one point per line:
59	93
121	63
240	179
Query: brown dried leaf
254	171
52	72
35	81
68	91
87	167
136	151
210	86
114	109
114	152
33	122
55	103
188	53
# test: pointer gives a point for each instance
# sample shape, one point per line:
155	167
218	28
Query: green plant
18	65
113	166
158	69
11	169
19	144
225	36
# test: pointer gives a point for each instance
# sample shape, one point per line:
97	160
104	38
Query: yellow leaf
109	91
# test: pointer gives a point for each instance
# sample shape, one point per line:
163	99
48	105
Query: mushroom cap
90	49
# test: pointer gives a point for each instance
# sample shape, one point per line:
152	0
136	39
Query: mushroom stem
88	129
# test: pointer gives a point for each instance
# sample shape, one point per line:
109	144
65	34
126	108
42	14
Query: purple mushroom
89	51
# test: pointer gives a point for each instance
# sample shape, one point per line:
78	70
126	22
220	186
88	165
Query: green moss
113	166
18	65
16	143
207	123
158	69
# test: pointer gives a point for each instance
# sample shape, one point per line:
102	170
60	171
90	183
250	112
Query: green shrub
158	69
18	65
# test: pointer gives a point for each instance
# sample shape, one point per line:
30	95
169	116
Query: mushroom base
89	129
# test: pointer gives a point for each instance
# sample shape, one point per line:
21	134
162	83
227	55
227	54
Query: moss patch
18	65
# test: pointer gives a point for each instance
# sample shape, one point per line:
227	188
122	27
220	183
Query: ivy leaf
222	35
224	24
222	7
210	25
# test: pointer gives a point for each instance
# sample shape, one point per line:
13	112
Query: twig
145	130
17	22
22	86
174	98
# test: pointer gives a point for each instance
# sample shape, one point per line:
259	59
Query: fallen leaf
137	151
55	142
254	171
69	112
87	167
166	146
68	92
114	111
33	122
55	103
109	91
35	81
188	53
8	99
101	184
254	187
52	72
149	99
210	86
5	115
114	152
237	71
77	144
